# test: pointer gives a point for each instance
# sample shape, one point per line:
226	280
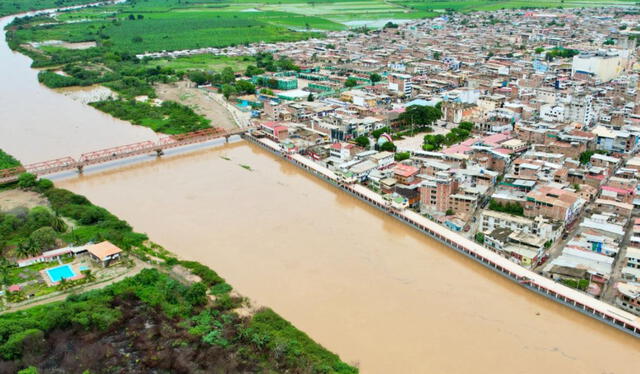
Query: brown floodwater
367	287
38	124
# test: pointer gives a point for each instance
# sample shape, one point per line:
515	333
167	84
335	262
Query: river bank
362	284
345	272
582	303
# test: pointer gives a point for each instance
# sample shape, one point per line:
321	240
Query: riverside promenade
570	297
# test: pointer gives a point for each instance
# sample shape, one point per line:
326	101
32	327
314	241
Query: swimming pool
60	272
83	268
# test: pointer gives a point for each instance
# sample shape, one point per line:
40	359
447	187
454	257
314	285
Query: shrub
27	180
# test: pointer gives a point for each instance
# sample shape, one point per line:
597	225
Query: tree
88	275
422	115
196	294
362	141
132	17
44	185
228	91
5	279
350	82
375	77
253	70
585	157
437	55
376	133
227	76
466	126
27	180
266	91
44	238
539	50
450	212
245	87
310	97
401	156
388	146
198	77
479	237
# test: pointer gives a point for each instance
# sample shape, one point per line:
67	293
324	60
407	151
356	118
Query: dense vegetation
152	322
420	115
585	157
19	6
28	232
511	208
560	53
7	161
456	135
168	118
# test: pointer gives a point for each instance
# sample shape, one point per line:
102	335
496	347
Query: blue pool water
83	268
60	272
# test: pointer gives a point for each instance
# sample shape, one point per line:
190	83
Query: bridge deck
116	153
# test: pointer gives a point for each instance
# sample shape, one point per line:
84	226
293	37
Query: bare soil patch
199	100
11	199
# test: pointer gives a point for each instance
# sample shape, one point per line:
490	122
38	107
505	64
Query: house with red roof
342	151
405	174
275	130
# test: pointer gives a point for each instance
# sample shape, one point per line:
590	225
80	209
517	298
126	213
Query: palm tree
23	249
88	275
5	279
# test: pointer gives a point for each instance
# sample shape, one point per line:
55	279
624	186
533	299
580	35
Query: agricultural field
156	25
138	33
204	62
20	6
487	5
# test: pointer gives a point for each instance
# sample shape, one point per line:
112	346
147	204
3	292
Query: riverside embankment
572	298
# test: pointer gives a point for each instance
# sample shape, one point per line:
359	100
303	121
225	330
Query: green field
21	6
486	5
204	62
156	25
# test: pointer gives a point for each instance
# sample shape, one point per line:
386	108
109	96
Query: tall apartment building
400	83
435	192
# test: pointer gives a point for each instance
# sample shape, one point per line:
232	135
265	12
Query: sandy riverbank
199	100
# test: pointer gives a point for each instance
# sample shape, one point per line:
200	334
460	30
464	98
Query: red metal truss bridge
117	153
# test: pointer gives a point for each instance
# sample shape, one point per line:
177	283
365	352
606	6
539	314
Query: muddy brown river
367	287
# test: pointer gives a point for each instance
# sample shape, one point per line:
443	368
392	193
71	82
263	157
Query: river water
362	284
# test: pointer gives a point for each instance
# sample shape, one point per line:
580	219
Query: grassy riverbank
7	161
152	322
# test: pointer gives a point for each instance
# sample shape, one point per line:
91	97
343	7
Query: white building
603	65
552	113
